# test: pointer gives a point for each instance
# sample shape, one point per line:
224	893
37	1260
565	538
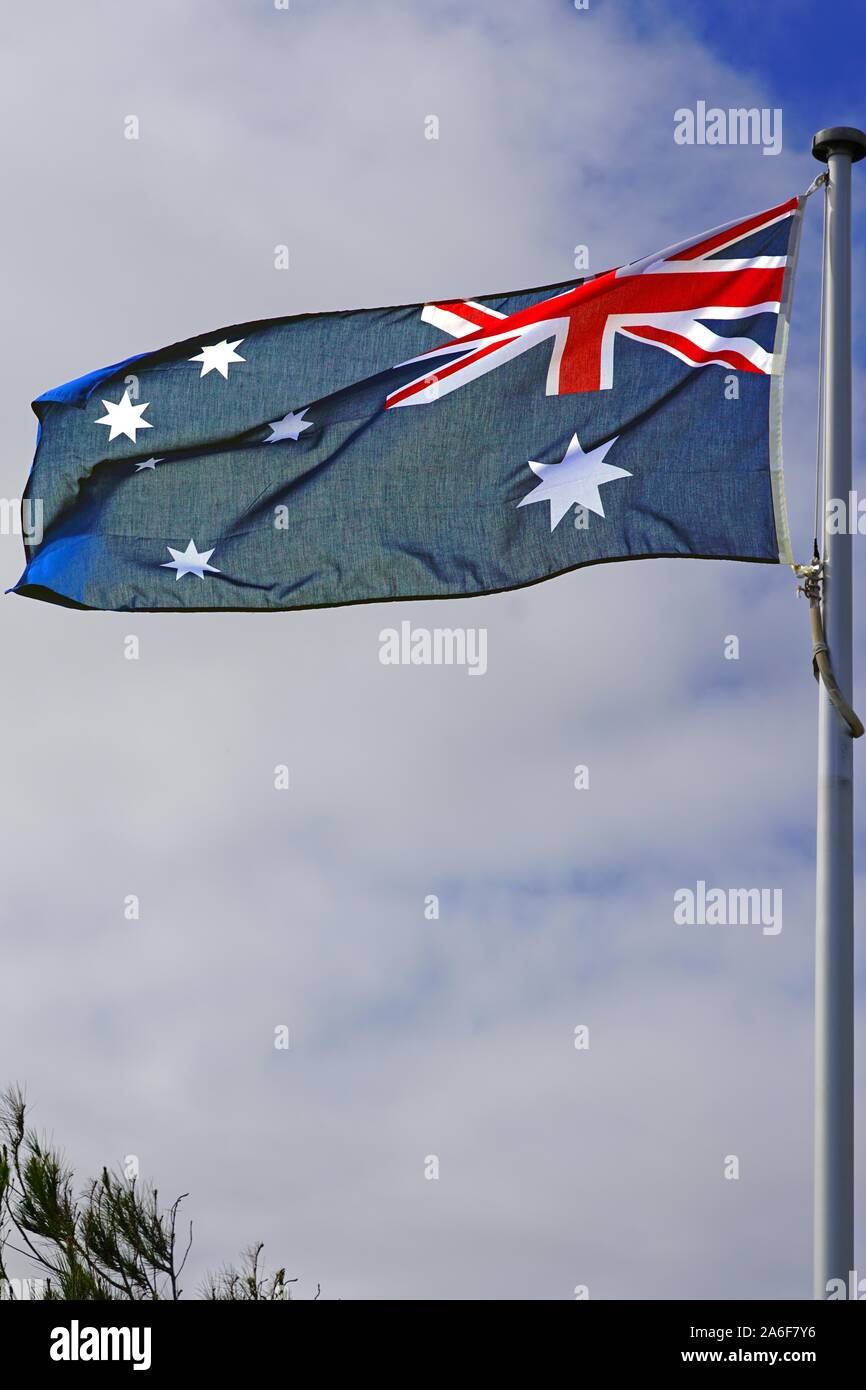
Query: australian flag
429	450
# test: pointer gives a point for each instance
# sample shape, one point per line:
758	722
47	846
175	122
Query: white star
124	417
190	561
289	427
148	463
217	356
576	479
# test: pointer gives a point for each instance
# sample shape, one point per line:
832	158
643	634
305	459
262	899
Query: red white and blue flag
277	464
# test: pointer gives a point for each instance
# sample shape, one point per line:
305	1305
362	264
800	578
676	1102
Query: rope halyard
822	667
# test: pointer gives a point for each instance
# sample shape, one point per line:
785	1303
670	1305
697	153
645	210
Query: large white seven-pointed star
217	356
124	417
576	479
290	427
190	561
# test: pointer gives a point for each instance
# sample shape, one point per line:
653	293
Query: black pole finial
842	139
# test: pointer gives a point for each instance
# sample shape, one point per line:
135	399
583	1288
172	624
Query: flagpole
838	147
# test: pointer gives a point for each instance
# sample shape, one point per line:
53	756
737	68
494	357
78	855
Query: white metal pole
838	147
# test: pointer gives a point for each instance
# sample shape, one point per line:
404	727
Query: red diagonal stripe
470	312
691	350
751	224
416	386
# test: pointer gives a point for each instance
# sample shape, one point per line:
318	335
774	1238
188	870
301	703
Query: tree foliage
113	1240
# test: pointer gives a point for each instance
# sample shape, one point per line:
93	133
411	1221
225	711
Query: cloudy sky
259	908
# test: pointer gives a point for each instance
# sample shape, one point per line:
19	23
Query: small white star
575	479
289	427
190	561
124	417
217	356
148	463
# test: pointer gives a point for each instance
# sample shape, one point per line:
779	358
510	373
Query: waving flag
278	464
